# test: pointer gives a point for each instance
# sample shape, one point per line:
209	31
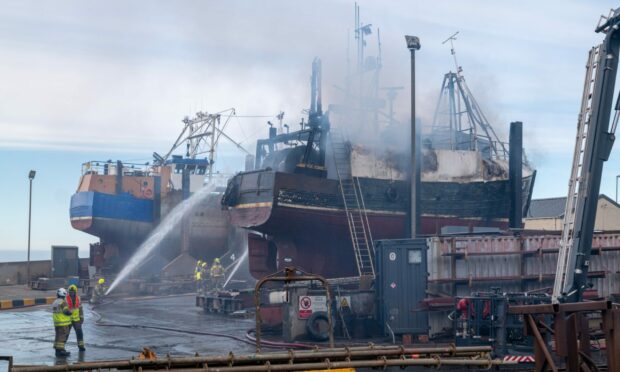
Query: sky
105	80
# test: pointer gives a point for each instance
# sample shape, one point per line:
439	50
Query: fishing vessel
318	199
121	203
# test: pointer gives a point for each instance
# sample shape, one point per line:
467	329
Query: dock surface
15	292
115	331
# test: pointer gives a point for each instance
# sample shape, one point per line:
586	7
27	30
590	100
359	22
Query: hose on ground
277	344
248	340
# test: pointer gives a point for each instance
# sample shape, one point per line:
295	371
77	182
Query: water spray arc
238	263
167	225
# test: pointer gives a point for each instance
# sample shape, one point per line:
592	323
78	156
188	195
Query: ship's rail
463	140
108	167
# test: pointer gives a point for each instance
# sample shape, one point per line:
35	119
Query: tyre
317	326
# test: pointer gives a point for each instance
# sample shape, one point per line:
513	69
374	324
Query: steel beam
611	328
540	347
448	355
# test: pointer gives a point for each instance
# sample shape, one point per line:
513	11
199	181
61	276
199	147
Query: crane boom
592	148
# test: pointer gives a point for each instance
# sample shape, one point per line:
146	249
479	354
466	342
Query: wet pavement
10	292
115	331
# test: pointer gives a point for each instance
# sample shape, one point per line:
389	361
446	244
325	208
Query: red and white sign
519	358
310	304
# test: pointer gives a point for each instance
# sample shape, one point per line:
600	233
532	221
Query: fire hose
249	339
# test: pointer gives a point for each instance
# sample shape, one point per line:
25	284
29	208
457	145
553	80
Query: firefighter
204	278
62	322
77	315
98	292
217	274
198	279
198	267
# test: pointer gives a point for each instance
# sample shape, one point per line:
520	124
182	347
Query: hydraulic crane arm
593	146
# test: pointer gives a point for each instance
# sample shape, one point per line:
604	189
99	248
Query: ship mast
202	134
459	123
361	108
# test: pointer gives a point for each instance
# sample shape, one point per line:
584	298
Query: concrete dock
116	330
13	292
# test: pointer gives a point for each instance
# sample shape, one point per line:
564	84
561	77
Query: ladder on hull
354	207
576	185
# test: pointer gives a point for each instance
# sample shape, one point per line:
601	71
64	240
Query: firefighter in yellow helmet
98	292
198	267
198	279
62	322
77	314
218	274
204	280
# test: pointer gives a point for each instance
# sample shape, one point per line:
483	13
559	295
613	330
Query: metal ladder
354	207
576	188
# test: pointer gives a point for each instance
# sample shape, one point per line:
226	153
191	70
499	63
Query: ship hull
126	221
300	220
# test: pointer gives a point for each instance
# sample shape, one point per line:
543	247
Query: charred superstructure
303	151
323	215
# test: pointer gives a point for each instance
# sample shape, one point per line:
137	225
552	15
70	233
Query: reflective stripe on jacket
61	313
217	270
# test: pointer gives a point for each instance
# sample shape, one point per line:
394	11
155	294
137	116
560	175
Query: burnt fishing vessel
121	203
318	199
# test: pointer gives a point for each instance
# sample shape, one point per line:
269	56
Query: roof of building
547	208
554	207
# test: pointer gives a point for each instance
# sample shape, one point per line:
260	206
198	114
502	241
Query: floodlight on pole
413	44
31	175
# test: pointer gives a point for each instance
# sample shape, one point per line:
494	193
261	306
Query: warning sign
310	304
343	301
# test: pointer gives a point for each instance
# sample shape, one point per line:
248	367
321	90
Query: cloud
76	76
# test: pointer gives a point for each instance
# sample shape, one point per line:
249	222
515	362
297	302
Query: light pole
31	175
413	44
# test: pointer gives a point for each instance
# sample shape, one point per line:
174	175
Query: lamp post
413	44
31	175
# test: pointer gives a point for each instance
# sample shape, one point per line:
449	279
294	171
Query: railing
108	167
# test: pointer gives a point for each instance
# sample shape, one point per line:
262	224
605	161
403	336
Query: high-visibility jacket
61	313
77	314
98	293
198	275
217	270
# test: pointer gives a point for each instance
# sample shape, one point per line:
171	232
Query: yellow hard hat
199	262
204	264
217	260
101	281
73	288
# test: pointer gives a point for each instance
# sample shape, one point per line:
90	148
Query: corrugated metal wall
461	265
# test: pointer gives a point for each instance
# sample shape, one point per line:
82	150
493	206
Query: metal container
401	285
65	261
460	265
